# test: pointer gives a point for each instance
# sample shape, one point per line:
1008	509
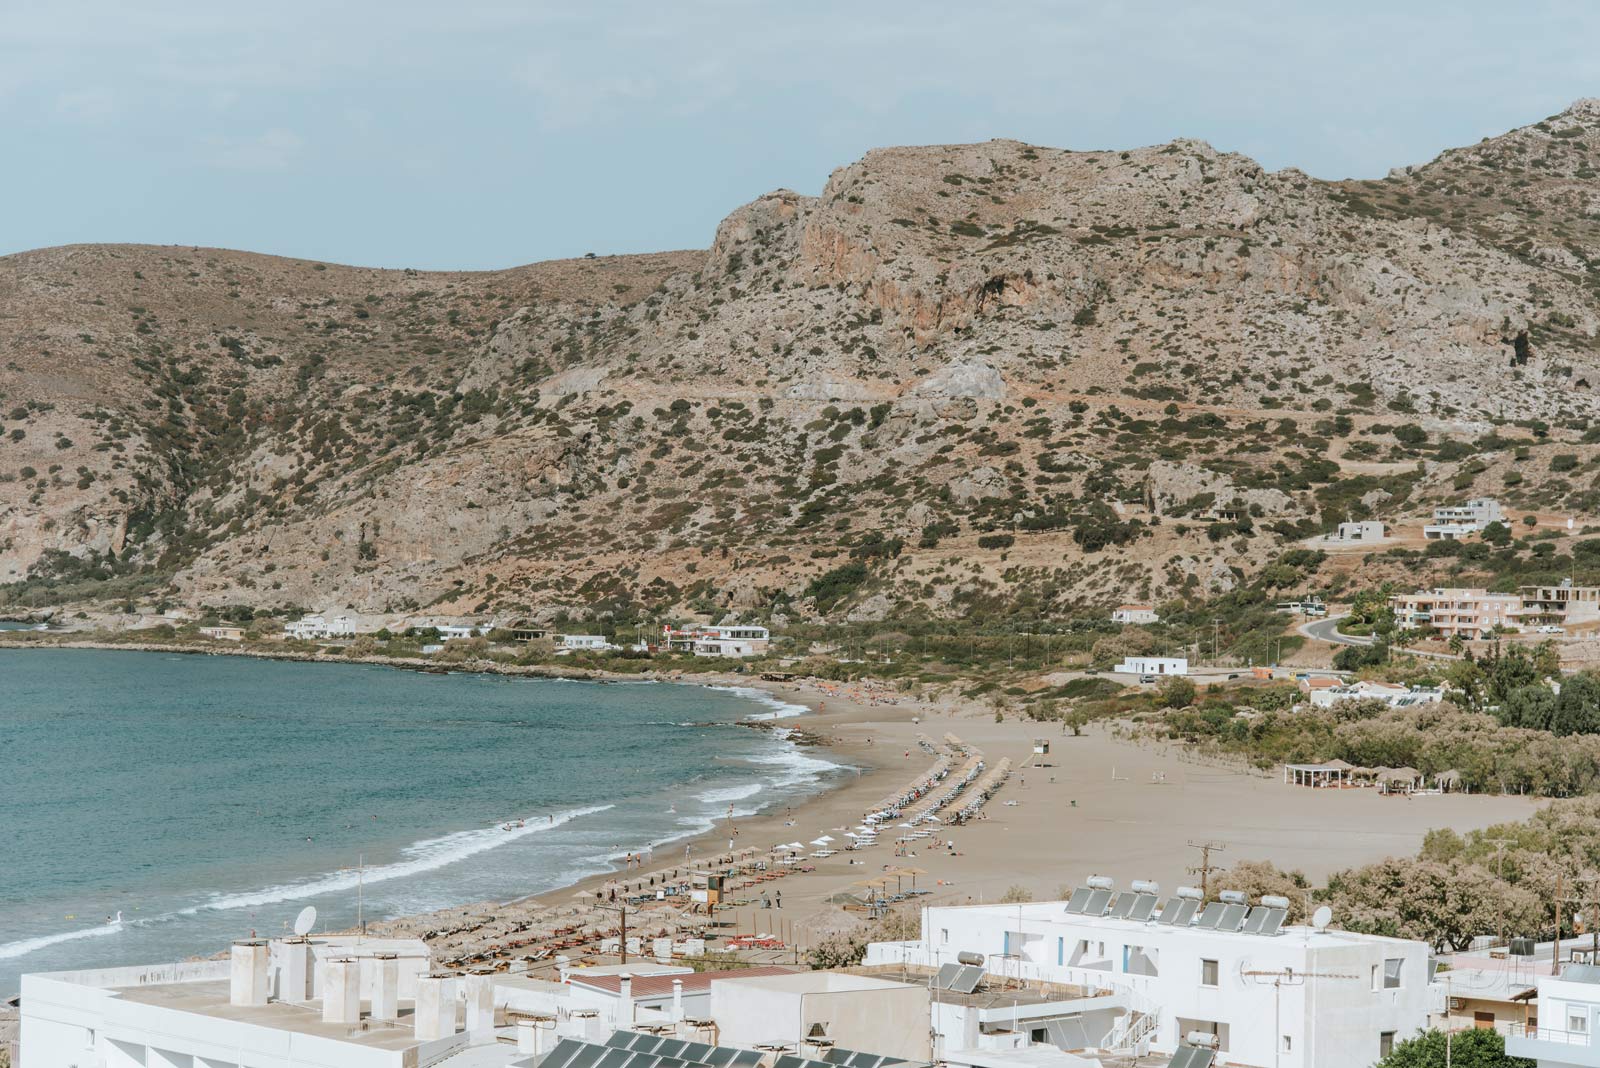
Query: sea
155	806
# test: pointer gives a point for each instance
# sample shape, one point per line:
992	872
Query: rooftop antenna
1321	918
305	921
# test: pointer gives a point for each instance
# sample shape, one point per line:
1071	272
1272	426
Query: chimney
247	974
677	999
435	1015
480	1006
530	1036
341	991
385	986
625	1002
297	973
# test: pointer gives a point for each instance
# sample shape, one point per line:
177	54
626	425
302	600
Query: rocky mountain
968	379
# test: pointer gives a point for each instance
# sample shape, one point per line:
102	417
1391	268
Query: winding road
1327	630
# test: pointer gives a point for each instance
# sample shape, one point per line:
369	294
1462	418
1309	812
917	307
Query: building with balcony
1113	972
1462	521
1563	1031
1563	605
1470	613
1134	613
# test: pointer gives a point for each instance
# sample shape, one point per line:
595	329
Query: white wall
1330	1021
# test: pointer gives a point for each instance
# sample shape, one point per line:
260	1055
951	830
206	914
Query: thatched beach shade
1342	765
1448	780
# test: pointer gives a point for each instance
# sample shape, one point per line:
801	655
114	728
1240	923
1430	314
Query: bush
996	541
1179	692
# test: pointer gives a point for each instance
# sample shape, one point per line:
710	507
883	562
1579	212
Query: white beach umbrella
826	838
796	845
820	841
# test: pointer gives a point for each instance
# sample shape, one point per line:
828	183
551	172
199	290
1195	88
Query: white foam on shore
725	794
30	945
781	709
424	856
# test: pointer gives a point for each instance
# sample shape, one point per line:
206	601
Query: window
944	936
1208	973
1385	1043
1391	973
1288	1044
1577	1021
1377	978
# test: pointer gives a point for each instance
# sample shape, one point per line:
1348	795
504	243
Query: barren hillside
971	379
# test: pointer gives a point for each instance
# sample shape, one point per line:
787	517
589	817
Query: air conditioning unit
1457	1004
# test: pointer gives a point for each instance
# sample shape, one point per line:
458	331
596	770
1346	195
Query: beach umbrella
827	838
820	841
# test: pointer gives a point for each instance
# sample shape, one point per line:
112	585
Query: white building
739	641
1564	1030
1461	521
1153	665
567	643
1370	530
1295	998
458	631
315	628
1134	613
290	1003
856	1012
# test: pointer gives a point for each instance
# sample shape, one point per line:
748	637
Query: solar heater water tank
1101	882
967	957
1273	901
1191	892
1234	897
1145	886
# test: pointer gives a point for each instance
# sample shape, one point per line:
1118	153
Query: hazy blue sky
473	133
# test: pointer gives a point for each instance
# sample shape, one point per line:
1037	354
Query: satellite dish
305	921
1321	918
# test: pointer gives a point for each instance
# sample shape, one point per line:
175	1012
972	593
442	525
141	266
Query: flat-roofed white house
1462	521
315	628
1564	1030
287	1003
1153	665
1126	972
223	634
734	641
1134	613
568	643
856	1012
1367	530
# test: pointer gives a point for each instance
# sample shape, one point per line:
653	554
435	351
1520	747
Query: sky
477	134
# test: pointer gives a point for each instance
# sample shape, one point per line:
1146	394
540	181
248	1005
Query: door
1483	1021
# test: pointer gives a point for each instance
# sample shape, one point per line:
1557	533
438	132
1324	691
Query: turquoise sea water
208	797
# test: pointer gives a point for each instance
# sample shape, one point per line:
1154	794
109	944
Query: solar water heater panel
1079	899
1143	907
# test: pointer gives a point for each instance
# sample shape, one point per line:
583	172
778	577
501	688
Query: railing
1549	1034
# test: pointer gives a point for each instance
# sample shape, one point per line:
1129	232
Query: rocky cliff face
963	378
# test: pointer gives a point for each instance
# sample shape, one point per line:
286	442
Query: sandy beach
1096	804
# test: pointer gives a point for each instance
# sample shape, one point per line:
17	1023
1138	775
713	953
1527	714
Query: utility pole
1500	873
622	914
1206	867
1215	623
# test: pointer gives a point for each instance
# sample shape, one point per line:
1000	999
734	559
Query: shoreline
832	726
1094	803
